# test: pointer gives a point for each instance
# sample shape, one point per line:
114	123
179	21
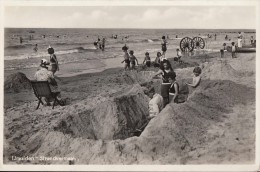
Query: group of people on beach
169	90
236	46
130	60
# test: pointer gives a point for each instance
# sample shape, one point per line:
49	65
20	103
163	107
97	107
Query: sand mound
17	82
222	71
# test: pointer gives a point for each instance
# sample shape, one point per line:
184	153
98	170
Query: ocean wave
22	46
43	54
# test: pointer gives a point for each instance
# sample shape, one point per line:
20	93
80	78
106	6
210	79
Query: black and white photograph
156	83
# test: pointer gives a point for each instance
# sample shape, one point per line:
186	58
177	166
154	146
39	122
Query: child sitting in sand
174	88
157	60
196	77
179	55
147	60
126	57
132	59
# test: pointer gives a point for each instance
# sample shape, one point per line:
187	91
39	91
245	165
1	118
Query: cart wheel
186	44
199	43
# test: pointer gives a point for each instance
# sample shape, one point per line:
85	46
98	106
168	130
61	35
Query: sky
164	17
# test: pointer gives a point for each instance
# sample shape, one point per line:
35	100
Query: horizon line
120	28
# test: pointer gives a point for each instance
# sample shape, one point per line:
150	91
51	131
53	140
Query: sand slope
216	124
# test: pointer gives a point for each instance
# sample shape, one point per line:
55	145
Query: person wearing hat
43	74
126	57
53	60
147	60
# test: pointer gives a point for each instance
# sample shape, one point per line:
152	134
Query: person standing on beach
215	37
239	39
147	60
165	71
53	60
103	43
21	40
132	59
126	57
233	50
96	44
226	37
99	44
252	41
222	50
35	48
164	46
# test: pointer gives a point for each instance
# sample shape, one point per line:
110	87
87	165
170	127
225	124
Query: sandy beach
215	125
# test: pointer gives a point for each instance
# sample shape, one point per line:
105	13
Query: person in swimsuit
157	60
179	55
35	48
165	71
132	59
174	88
164	46
222	50
196	77
53	60
103	43
233	50
147	60
96	44
126	57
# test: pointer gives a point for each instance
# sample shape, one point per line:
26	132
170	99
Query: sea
73	45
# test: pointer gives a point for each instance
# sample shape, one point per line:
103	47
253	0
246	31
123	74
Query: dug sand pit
180	134
115	118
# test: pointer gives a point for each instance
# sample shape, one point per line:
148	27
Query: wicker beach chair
42	89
